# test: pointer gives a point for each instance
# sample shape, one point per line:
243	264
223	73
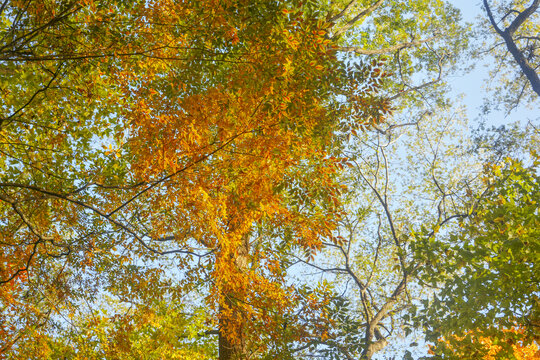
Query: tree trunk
228	350
507	34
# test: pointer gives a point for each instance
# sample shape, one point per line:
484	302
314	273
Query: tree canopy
241	179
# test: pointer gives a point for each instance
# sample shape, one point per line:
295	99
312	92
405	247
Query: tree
49	117
492	259
208	112
200	147
405	184
516	23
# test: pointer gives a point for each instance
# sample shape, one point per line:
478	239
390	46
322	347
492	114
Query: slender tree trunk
228	350
525	66
507	35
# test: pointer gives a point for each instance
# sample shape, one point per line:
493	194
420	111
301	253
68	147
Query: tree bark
227	349
517	54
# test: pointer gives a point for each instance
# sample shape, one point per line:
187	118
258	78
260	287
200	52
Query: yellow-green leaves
494	272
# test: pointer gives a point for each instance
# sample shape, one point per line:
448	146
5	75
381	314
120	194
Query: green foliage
164	163
140	143
489	269
423	42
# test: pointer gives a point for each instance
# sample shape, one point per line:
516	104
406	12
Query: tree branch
522	17
517	54
354	20
341	13
391	49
